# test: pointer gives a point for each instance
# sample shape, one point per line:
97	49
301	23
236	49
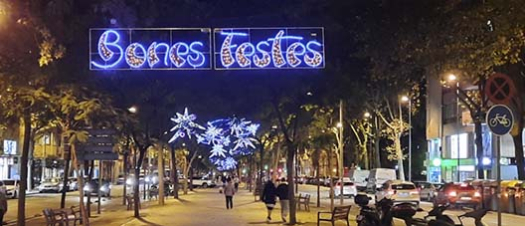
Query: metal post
458	123
410	140
498	178
401	169
340	144
99	184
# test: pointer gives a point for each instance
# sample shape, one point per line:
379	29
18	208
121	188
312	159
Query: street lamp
407	100
367	114
133	109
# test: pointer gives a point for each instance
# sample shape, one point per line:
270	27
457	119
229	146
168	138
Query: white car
203	182
378	177
349	189
10	187
51	185
399	191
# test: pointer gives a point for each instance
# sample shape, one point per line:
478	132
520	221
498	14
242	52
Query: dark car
457	195
93	187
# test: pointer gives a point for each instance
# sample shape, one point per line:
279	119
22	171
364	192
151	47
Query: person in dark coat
268	197
282	193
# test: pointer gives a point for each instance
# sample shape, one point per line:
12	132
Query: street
205	207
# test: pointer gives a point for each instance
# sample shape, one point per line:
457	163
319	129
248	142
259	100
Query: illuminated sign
191	48
9	147
150	49
268	48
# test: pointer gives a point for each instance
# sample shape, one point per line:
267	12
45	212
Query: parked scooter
369	216
406	212
446	220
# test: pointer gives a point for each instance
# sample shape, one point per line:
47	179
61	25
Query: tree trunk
399	154
136	195
479	144
376	144
174	174
26	120
518	148
261	167
160	167
124	189
291	190
66	176
80	179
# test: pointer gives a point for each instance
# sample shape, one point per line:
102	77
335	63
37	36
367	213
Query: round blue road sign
500	119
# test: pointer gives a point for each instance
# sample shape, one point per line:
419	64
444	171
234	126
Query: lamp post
407	99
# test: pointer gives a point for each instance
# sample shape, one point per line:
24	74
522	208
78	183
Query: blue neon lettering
105	52
291	54
176	56
199	59
316	59
265	58
226	55
153	58
242	56
133	58
277	55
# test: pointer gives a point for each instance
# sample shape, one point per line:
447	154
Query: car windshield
9	182
349	183
403	186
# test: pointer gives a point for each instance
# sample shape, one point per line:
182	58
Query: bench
130	201
339	213
54	218
303	199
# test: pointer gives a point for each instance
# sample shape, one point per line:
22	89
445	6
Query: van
358	177
378	177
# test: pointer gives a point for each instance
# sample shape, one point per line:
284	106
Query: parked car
426	190
457	195
93	187
378	177
51	185
73	184
11	187
203	182
398	191
349	188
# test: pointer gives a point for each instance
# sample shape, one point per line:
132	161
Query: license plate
359	217
466	198
403	194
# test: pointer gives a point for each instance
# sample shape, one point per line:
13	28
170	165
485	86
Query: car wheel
205	185
14	195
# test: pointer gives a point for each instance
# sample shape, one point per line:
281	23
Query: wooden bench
54	218
339	213
130	201
303	199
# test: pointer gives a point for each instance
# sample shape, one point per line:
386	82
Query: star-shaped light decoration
218	151
184	125
244	142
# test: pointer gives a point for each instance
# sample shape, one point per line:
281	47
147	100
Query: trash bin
489	194
518	198
511	191
504	199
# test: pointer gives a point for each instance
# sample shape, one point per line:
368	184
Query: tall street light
406	99
454	79
340	145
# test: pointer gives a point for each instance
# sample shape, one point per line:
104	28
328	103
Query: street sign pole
99	184
498	177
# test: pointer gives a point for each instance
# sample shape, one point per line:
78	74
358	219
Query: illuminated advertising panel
268	48
150	49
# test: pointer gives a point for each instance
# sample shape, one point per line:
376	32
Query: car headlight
87	188
129	181
147	179
104	188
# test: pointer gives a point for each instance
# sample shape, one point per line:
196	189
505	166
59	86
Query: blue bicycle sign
500	119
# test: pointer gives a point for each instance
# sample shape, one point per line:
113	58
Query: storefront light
436	162
486	161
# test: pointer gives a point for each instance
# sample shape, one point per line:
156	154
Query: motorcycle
370	216
446	220
406	212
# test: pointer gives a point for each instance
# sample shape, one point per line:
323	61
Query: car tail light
453	194
477	194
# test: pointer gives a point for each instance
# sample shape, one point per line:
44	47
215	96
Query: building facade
451	140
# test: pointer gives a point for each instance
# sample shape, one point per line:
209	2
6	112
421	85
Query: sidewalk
205	207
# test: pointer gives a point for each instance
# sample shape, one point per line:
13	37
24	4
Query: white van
359	178
378	177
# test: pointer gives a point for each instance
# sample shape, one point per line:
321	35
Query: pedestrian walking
3	205
268	197
282	193
229	191
236	183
